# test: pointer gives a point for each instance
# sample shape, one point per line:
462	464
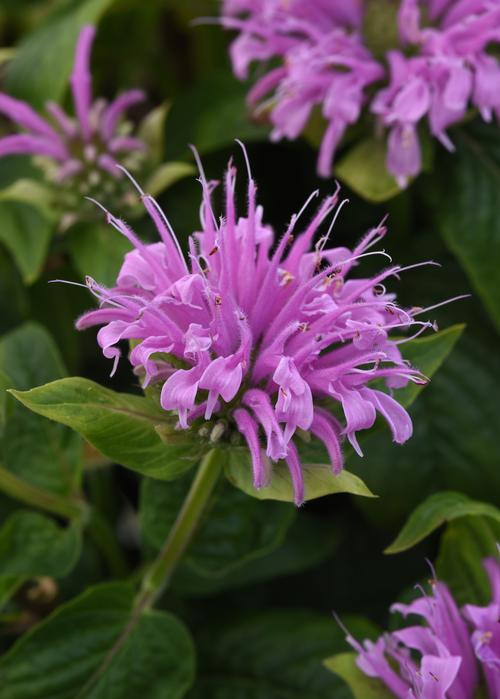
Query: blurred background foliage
258	570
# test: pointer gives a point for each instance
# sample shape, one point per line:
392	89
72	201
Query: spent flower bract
265	337
326	55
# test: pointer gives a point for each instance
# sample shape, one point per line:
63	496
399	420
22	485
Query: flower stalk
181	534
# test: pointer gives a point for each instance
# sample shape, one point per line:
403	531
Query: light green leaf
97	250
276	655
434	512
26	234
318	480
152	131
120	425
166	175
32	192
362	686
427	354
468	208
363	168
108	651
45	455
43	62
236	529
464	545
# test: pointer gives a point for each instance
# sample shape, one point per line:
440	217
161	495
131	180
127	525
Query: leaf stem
179	537
19	489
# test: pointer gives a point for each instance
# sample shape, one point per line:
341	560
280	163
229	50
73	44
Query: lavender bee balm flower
78	154
268	335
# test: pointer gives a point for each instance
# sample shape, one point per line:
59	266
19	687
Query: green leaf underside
318	480
120	425
273	654
362	686
464	545
34	449
107	651
32	544
434	512
43	62
26	234
235	530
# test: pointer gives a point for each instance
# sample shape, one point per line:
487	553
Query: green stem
158	576
69	508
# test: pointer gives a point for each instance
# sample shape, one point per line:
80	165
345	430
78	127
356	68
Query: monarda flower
448	656
78	154
265	338
435	64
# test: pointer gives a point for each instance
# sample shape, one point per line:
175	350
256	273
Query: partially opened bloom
435	65
78	153
265	337
448	656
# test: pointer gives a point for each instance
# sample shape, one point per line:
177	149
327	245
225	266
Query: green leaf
364	170
14	305
455	442
107	650
273	654
362	686
45	455
151	130
318	480
5	383
434	512
26	234
32	544
294	555
97	250
8	587
427	354
120	425
468	208
29	356
44	60
166	175
236	529
463	547
33	192
211	115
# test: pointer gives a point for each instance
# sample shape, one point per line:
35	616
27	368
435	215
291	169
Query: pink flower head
268	336
436	69
442	658
78	153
